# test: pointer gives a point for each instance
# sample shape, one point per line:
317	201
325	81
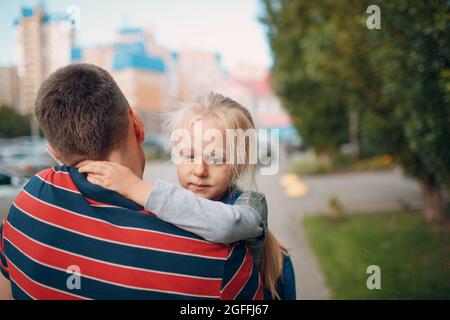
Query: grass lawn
414	257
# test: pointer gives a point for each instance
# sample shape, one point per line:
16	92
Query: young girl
209	202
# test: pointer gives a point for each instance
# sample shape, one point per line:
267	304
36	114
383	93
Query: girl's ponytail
272	264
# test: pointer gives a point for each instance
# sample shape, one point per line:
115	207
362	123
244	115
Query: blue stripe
90	288
118	216
233	263
18	293
98	193
2	254
114	253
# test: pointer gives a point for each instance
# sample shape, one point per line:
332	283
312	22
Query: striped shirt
65	238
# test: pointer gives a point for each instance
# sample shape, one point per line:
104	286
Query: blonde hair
229	114
271	267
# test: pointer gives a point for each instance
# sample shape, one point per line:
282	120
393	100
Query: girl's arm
212	220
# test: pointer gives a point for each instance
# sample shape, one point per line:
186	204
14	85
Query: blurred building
251	86
44	44
9	87
145	71
199	72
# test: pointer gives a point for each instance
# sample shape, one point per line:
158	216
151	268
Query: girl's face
208	177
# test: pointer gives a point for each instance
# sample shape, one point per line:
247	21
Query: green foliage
308	166
413	58
13	124
302	40
341	163
327	62
412	255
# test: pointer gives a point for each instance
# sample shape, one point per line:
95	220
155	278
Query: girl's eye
187	156
214	160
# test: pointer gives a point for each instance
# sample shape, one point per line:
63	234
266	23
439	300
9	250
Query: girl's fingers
84	163
95	179
92	168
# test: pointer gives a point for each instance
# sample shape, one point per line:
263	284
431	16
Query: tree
13	124
396	78
413	55
302	40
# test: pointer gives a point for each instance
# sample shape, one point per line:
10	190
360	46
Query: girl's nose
201	170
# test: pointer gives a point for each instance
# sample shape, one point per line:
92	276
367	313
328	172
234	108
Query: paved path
359	192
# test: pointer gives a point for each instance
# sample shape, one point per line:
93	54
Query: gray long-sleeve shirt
215	221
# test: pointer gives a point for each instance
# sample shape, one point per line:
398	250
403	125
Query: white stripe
105	206
56	186
231	252
11	280
257	290
41	284
102	280
111	241
63	172
240	267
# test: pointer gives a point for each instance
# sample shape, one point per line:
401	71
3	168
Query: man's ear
137	125
54	154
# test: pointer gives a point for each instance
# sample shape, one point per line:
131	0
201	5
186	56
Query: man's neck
127	160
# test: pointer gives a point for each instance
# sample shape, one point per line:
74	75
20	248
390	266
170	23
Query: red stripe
93	202
63	180
239	280
113	273
36	290
4	267
260	293
58	178
108	232
2	248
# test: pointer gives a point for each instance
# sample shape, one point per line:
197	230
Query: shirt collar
231	195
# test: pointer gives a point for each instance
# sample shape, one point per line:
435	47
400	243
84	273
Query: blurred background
358	89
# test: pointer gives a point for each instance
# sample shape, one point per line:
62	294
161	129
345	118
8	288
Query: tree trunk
326	158
434	203
353	133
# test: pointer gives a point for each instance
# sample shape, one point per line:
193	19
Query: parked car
10	185
26	156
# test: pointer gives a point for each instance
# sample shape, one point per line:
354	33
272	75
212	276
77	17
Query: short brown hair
82	112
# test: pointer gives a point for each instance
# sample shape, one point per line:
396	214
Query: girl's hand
115	177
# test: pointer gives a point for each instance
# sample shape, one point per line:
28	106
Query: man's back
60	224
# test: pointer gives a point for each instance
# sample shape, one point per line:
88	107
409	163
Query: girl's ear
137	125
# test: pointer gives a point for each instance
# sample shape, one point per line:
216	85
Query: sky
229	27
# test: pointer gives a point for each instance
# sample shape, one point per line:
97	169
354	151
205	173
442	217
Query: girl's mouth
199	187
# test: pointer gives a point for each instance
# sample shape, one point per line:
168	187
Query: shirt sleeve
241	280
213	220
3	263
257	201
